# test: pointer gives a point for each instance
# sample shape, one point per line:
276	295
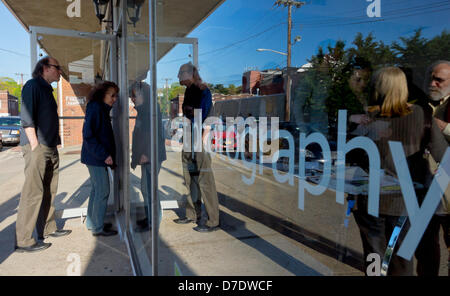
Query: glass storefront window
316	180
279	137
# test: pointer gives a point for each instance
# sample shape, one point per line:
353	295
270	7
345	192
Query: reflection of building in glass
72	101
82	71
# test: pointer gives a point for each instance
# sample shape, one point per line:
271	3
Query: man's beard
438	94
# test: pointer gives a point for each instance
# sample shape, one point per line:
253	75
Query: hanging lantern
134	10
100	8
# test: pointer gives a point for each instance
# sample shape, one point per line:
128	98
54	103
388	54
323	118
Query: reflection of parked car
1	143
10	129
227	138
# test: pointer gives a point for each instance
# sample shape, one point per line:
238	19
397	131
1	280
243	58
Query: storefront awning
176	18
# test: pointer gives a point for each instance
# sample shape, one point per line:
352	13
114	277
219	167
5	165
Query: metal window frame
174	40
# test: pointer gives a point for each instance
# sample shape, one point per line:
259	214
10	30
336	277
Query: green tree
12	87
167	95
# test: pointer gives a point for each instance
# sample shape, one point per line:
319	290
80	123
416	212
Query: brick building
263	83
9	104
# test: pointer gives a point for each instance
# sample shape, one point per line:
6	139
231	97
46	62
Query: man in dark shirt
39	141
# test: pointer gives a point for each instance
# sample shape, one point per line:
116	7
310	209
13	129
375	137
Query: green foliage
167	95
221	89
414	53
12	87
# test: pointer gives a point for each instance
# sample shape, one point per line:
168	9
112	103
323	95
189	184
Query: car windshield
9	121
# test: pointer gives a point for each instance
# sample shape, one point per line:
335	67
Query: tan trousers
38	193
200	182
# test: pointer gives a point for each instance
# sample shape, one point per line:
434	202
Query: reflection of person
437	86
98	152
402	121
353	96
140	95
197	169
309	100
39	143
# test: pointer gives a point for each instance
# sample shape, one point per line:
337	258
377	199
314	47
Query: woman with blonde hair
396	120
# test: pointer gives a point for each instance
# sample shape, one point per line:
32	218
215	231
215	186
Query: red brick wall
250	82
8	103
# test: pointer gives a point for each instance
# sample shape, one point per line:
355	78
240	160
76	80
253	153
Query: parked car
10	129
1	143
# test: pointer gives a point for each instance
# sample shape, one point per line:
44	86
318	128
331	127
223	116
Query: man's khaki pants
200	182
38	193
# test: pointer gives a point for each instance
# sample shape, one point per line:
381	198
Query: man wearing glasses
39	140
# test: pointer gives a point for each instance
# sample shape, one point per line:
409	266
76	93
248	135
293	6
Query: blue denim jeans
98	199
146	190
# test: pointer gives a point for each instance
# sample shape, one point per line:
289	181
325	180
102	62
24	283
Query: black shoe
105	232
105	226
57	233
184	221
204	228
39	246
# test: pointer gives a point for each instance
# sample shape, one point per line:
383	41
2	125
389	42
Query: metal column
154	133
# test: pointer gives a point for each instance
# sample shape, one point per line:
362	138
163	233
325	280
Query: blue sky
319	23
228	39
14	46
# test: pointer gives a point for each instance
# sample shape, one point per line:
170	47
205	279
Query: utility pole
167	87
289	4
167	94
21	79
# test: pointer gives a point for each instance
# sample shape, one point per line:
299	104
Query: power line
13	52
393	13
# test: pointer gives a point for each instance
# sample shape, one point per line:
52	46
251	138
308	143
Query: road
11	163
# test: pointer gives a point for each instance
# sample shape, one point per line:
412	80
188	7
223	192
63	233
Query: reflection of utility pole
167	94
167	87
289	4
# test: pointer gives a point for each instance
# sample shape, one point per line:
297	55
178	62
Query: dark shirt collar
44	83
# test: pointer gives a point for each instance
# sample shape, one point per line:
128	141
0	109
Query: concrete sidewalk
97	256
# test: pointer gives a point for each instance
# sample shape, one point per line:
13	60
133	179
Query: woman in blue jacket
98	152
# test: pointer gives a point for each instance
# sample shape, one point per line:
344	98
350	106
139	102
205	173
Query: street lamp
134	10
265	49
100	9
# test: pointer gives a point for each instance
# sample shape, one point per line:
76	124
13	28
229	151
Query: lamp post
265	49
289	4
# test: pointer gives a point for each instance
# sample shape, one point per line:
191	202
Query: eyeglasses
56	66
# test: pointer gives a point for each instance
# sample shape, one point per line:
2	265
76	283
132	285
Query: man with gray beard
437	87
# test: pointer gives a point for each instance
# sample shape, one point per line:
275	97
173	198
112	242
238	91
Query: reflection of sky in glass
228	39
